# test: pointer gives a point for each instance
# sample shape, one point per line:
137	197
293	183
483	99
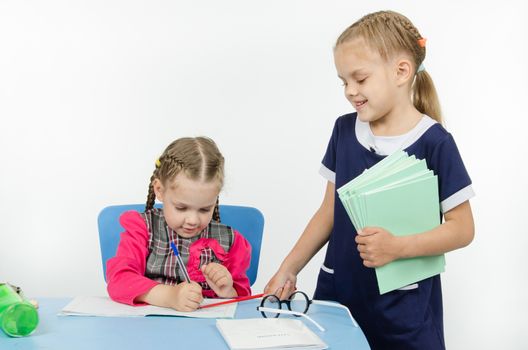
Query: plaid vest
162	265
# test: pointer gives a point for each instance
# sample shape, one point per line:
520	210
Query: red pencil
233	300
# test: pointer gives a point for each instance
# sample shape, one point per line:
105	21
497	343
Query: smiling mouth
360	104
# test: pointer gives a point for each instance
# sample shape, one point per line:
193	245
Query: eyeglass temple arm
334	304
280	311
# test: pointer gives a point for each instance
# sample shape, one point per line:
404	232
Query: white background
92	91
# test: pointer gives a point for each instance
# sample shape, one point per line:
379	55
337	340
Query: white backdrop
92	91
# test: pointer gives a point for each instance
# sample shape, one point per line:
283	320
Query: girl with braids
380	61
187	180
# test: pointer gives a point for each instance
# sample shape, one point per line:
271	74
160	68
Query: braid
168	164
418	51
172	163
151	196
405	23
388	31
216	212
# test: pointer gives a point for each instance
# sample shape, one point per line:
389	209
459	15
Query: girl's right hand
187	296
282	284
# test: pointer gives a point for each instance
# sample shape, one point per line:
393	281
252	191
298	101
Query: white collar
385	145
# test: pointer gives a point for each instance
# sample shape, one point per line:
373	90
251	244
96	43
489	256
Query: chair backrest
247	220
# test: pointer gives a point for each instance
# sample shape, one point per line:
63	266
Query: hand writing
186	296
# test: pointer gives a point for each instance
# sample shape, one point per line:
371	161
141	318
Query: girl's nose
192	219
351	89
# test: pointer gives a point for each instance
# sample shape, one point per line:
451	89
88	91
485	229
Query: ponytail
424	96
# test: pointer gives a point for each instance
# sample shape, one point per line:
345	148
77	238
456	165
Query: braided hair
390	33
198	157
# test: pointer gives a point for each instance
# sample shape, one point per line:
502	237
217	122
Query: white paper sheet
105	307
268	333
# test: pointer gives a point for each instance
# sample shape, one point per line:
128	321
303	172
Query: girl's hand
219	279
282	284
186	296
377	246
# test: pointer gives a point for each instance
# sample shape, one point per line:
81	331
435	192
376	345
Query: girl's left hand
219	279
377	246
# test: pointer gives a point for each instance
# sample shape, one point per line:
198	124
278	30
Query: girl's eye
205	210
180	208
361	80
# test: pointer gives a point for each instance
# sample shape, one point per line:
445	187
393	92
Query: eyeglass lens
272	302
299	302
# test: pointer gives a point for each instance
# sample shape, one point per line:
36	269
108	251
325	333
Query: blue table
156	332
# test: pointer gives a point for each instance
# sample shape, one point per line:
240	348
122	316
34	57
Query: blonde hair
198	157
390	33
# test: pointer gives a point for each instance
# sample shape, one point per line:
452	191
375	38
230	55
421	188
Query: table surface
81	332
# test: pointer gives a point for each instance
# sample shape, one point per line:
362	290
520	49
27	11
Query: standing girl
380	61
187	180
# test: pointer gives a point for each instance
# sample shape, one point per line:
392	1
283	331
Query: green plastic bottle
18	317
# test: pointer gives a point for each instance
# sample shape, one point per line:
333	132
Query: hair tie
421	42
158	163
420	68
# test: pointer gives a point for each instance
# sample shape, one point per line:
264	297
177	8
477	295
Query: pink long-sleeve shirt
126	271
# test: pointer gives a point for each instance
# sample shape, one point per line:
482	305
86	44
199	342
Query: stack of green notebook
399	194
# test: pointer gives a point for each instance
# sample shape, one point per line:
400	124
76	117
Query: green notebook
401	195
405	210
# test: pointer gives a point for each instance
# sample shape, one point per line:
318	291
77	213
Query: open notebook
400	194
105	307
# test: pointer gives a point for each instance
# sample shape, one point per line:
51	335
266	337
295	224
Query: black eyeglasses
298	304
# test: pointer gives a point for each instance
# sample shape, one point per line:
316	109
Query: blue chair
247	220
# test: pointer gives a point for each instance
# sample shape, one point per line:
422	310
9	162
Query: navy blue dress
401	319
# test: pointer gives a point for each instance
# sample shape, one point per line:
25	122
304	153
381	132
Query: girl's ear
404	71
158	189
